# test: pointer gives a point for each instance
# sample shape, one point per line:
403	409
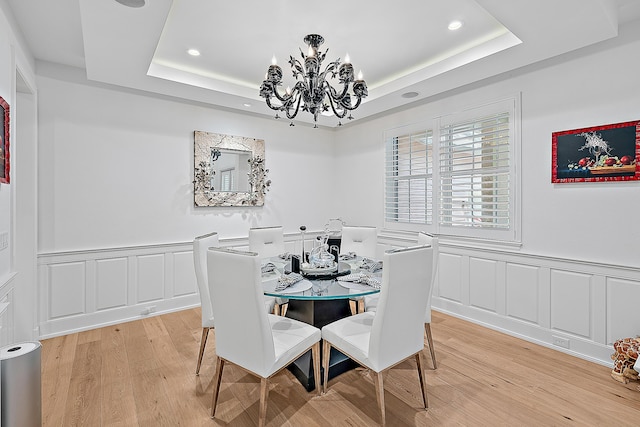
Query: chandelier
312	91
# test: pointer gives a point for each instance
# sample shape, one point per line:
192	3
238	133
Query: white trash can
20	389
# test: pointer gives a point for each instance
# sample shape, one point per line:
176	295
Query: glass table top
316	288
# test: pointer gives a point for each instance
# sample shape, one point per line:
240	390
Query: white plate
301	286
356	286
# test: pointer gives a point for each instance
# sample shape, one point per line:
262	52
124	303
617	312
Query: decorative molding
540	299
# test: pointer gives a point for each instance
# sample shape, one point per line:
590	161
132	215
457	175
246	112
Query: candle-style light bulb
311	52
347	60
273	60
288	90
360	75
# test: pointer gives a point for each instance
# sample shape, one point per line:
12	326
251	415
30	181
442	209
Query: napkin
285	256
371	265
287	280
363	278
268	268
347	256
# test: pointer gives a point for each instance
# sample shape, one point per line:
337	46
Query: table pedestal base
319	313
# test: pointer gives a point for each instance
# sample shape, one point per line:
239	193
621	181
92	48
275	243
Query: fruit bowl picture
601	153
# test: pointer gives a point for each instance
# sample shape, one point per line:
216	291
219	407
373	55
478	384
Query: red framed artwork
4	142
599	153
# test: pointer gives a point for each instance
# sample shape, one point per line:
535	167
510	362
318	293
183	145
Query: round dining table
319	299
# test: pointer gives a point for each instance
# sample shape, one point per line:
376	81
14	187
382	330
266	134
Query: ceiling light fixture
193	52
409	94
132	3
455	25
312	90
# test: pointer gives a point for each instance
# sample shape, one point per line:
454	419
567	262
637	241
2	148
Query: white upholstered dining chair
268	242
260	343
200	246
394	333
359	239
371	302
363	241
429	240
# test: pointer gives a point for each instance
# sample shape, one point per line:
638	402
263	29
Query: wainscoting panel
111	283
184	276
482	283
522	292
450	276
67	289
573	306
6	310
83	290
623	309
150	277
571	302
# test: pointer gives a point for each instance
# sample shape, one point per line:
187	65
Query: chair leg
276	309
427	331
326	351
423	379
203	343
217	379
315	355
264	393
379	383
360	305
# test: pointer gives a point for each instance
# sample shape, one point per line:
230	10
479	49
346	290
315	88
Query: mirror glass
229	170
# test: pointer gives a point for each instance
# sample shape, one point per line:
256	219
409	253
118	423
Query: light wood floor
142	374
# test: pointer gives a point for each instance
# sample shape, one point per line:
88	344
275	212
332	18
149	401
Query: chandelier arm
295	110
334	92
351	108
281	98
333	108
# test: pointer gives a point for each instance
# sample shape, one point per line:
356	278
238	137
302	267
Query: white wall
17	199
116	169
584	221
6	91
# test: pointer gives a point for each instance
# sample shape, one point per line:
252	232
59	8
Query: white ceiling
400	46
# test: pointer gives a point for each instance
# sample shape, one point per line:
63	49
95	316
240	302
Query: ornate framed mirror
229	170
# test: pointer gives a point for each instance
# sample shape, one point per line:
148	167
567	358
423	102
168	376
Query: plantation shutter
408	178
474	168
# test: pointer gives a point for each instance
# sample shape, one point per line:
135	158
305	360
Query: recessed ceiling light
193	52
132	3
455	25
409	94
246	104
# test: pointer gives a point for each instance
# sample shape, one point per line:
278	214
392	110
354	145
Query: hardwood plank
83	405
57	358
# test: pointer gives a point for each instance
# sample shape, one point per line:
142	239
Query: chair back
397	330
200	246
361	240
243	332
266	241
425	239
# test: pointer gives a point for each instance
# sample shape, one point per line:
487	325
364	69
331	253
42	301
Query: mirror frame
204	195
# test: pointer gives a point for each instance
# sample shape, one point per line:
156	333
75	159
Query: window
409	178
226	180
471	191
